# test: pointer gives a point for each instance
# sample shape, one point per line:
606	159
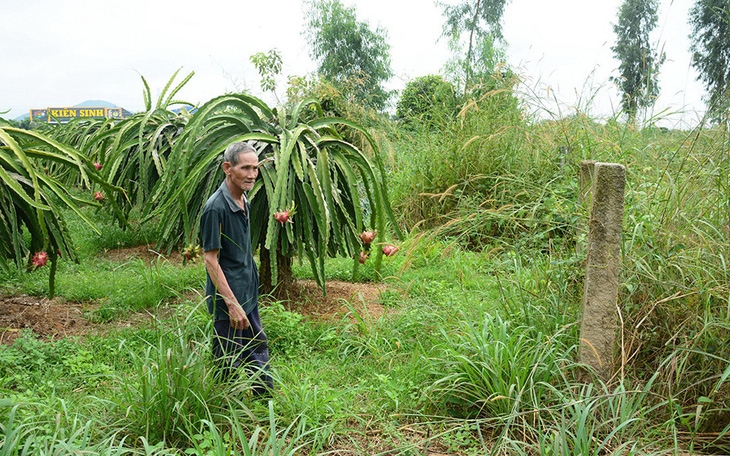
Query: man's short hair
234	150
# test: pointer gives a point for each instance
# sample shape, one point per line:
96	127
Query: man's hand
237	316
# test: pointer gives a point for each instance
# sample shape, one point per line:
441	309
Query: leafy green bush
288	332
427	100
34	365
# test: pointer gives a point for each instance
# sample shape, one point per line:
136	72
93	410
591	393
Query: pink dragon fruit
39	259
368	236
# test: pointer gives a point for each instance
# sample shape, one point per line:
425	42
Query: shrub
428	100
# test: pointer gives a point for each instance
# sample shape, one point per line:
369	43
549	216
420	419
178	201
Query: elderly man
232	278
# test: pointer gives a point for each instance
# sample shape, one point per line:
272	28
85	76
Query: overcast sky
56	53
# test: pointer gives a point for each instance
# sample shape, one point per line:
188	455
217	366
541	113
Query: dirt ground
58	318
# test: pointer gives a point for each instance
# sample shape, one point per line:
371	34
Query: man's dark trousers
235	348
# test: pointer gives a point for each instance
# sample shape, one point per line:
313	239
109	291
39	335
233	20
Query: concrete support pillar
600	295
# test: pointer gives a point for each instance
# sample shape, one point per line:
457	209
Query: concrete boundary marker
603	261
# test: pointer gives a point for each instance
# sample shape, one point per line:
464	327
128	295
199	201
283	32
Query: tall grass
494	369
171	383
239	439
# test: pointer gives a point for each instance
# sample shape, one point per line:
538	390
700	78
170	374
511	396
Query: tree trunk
471	46
286	284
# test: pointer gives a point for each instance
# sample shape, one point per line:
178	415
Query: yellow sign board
63	115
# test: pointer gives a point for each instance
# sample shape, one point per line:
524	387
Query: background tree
639	67
26	124
349	53
474	25
268	64
710	21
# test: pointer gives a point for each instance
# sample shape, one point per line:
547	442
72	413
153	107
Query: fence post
600	294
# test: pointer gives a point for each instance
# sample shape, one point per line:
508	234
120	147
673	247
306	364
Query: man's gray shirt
225	226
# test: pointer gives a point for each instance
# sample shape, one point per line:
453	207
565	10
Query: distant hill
95	104
83	104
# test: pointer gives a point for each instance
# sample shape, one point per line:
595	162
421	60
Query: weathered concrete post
600	295
585	199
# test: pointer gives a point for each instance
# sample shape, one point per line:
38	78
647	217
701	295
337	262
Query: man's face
243	175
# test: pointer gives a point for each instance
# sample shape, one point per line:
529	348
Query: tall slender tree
640	62
349	53
710	21
476	26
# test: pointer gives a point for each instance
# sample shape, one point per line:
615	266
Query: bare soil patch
44	317
57	318
340	298
146	253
